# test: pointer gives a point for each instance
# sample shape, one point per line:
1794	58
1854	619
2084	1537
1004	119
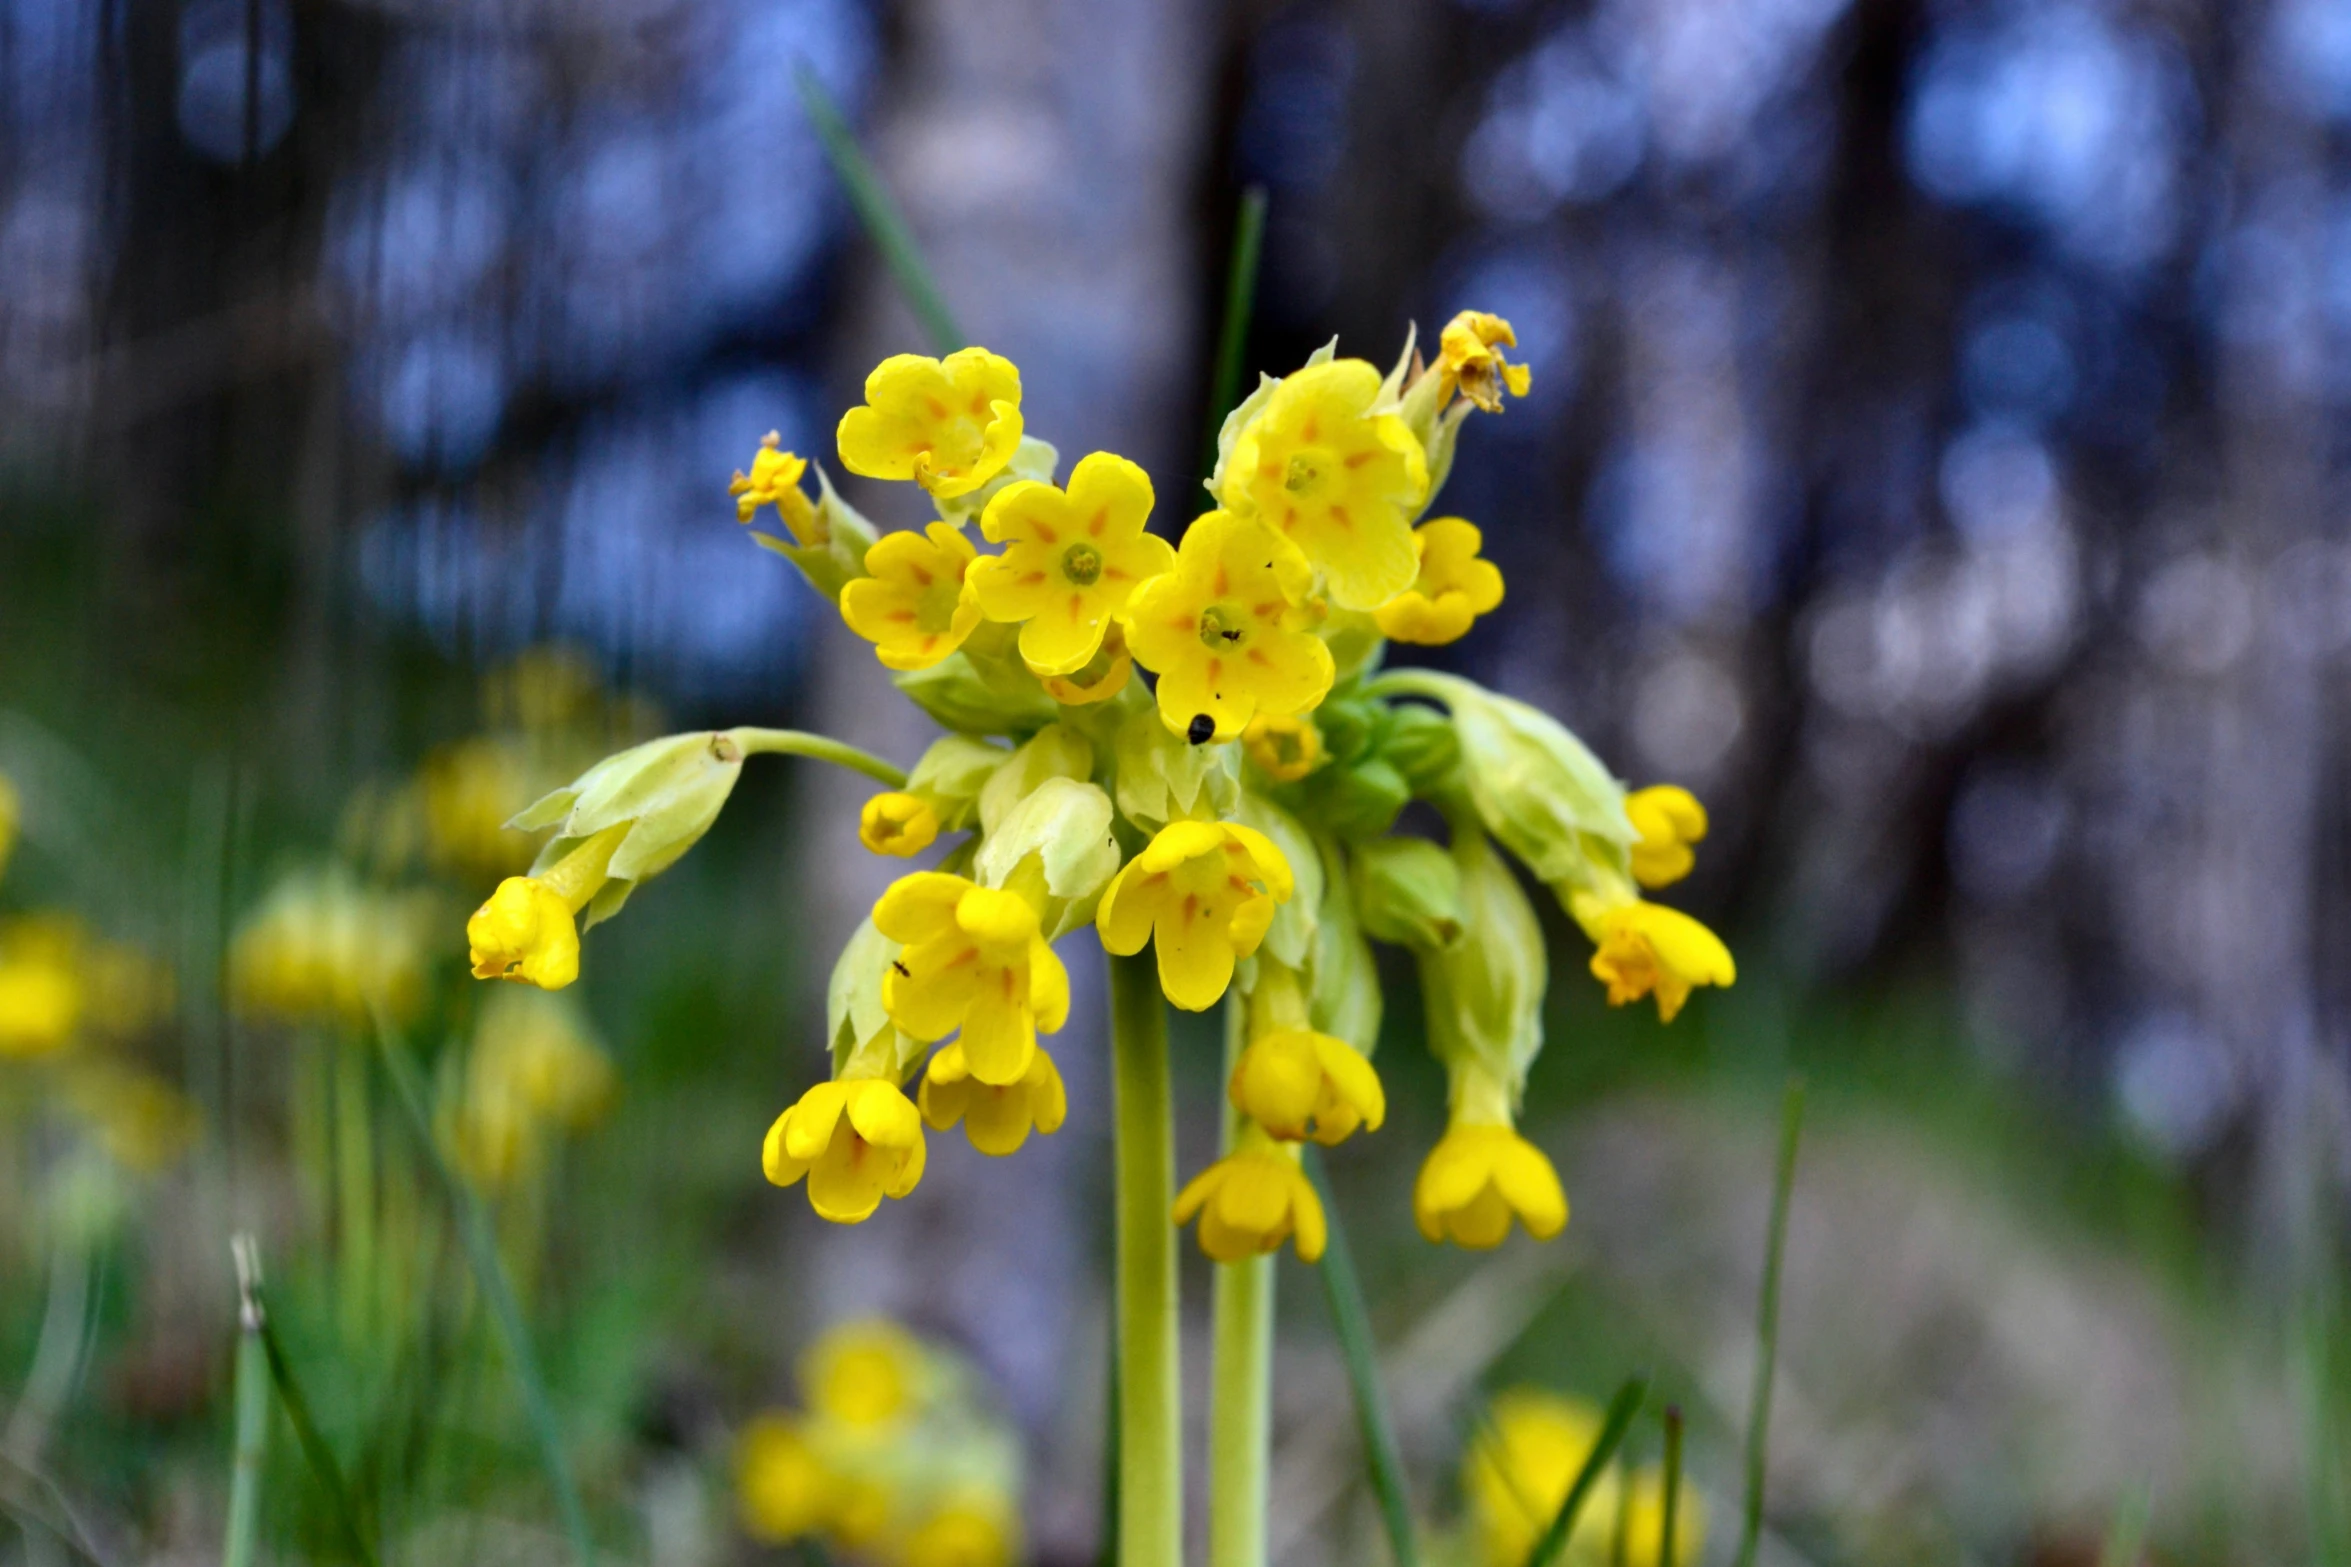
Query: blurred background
1935	461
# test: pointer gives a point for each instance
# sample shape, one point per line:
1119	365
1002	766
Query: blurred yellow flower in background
535	1068
11	817
43	990
868	1373
323	948
1518	1470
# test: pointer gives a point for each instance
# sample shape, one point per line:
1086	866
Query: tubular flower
1645	947
975	959
949	425
1284	748
1071	560
526	931
997	1120
774	480
1252	1200
1103	676
1335	476
897	824
1221	631
1517	1474
915	606
1204	893
1453	589
1482	1173
1669	820
1297	1083
1469	357
857	1142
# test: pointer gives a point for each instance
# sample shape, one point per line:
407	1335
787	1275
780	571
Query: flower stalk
1150	1413
1240	1410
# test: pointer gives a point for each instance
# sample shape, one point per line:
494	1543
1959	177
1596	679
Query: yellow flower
867	1373
1453	589
1518	1470
897	824
774	480
1469	356
915	607
11	811
1337	479
534	1065
1204	894
1482	1172
1221	631
323	948
43	996
468	791
524	932
1646	947
1104	675
975	959
972	1531
997	1120
857	1143
784	1491
1644	1522
1285	749
1297	1083
1669	819
1252	1200
949	425
1071	560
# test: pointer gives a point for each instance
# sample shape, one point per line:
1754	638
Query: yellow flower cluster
534	1071
61	985
324	948
895	1460
1528	1451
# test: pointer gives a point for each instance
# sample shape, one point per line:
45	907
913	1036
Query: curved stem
823	748
1414	682
1240	1413
1150	1413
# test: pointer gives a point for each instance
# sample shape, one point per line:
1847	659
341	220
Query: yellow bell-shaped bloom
1469	357
856	1142
1335	478
774	480
996	1119
897	824
1252	1200
974	958
914	605
1477	1178
1103	676
1222	631
1669	820
1518	1471
1297	1083
1204	894
783	1490
1453	589
1284	748
1646	947
1072	559
525	931
949	425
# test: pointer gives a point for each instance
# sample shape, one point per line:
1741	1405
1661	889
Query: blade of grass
315	1451
1767	1319
884	224
1669	1513
1232	340
1352	1321
251	1448
490	1277
1621	1410
2126	1535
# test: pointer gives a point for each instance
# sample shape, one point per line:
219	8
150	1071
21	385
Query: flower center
1082	564
1221	630
1305	472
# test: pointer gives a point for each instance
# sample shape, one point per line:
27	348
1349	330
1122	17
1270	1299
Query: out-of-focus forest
1934	461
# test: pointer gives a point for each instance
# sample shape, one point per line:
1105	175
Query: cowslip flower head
1455	586
1646	948
914	605
1285	748
856	1142
1252	1200
1100	678
1296	1083
1338	476
1072	559
1470	360
948	424
1222	631
1517	1473
1669	820
897	823
973	959
996	1119
774	480
1204	894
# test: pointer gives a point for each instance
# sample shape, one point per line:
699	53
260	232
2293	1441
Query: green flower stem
1767	1324
1551	1549
1670	1521
822	748
251	1449
1240	1409
1351	1320
884	224
1150	1413
1232	340
1414	682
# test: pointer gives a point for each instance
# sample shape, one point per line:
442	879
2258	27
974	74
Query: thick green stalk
1150	1412
822	748
884	224
1767	1319
1240	1407
252	1415
1351	1319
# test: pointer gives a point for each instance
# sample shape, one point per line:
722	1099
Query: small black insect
1230	636
902	968
1201	729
